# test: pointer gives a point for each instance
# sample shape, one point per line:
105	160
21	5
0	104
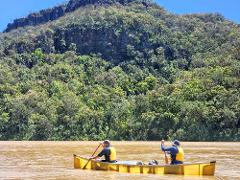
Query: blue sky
12	9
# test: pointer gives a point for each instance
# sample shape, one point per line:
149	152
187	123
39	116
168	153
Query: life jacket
113	154
179	156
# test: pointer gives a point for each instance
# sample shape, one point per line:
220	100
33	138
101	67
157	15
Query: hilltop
52	14
123	70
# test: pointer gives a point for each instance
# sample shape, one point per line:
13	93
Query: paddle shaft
166	158
92	156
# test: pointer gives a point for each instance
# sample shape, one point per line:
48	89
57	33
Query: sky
12	9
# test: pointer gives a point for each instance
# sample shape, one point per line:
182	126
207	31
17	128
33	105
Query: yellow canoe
202	169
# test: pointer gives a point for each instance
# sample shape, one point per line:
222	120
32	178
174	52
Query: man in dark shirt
108	152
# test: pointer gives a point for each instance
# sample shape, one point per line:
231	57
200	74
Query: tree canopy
131	72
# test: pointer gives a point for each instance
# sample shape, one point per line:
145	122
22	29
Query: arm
162	146
103	152
94	157
168	149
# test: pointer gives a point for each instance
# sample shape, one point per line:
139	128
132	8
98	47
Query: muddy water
53	160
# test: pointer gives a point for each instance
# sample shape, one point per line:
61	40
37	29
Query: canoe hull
200	169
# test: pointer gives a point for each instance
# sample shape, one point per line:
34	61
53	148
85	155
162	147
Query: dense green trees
122	73
84	97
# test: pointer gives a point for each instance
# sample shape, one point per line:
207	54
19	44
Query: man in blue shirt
175	151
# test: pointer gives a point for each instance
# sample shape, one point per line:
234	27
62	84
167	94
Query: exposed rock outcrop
37	18
57	12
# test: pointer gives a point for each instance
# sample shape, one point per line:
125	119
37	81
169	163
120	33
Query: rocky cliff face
115	32
112	32
37	18
57	12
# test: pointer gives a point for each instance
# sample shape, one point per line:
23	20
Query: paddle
91	156
166	158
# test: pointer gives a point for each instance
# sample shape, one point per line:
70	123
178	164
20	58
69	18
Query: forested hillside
121	70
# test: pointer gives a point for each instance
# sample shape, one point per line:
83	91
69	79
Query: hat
107	142
176	142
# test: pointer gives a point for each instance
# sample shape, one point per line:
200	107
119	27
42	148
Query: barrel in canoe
202	169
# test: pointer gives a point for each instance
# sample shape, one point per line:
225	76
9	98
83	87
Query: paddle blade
166	158
92	156
84	167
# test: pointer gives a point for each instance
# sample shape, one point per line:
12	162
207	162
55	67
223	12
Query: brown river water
54	160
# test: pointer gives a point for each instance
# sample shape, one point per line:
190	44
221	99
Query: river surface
54	160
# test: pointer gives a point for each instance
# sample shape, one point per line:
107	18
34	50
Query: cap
107	142
176	142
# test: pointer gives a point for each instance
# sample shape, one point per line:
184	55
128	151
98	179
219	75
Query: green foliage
123	73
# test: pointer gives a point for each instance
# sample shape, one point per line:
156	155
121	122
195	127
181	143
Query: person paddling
108	152
175	151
